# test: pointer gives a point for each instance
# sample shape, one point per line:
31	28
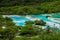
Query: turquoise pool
20	20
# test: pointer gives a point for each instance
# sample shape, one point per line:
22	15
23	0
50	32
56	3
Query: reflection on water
54	20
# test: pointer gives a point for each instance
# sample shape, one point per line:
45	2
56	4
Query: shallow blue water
20	20
56	15
42	17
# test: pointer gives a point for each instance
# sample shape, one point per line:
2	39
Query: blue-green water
56	15
20	20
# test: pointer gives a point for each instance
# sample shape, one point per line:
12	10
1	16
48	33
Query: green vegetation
24	7
7	28
31	31
22	2
41	22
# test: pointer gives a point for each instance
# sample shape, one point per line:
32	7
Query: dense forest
32	30
22	2
23	7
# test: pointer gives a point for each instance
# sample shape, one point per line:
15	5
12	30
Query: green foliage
1	19
22	2
41	6
9	22
10	29
28	32
41	22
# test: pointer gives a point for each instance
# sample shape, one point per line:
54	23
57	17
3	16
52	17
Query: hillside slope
45	7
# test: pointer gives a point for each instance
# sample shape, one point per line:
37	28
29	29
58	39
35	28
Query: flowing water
53	20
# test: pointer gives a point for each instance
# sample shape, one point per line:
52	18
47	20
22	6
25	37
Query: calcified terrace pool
53	20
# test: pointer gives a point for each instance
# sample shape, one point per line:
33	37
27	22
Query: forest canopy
22	2
25	7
